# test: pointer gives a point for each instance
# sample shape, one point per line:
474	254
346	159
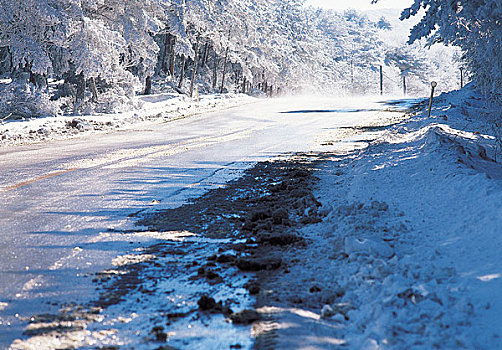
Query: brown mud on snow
267	208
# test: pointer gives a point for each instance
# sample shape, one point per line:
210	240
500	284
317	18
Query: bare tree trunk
80	95
36	79
194	72
237	76
224	71
182	73
167	47
148	85
80	92
204	55
215	71
244	83
173	57
94	90
39	80
5	60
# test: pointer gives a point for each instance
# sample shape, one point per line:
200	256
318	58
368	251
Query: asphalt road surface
60	201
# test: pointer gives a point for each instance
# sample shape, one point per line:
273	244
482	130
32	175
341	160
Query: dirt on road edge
251	231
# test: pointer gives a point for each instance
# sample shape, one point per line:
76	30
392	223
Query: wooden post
461	78
381	80
433	84
404	85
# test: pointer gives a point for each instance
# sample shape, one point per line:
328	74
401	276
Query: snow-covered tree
475	26
106	51
30	28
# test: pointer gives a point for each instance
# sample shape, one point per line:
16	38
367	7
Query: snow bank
156	108
414	235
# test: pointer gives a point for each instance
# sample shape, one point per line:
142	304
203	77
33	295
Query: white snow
157	108
410	242
415	236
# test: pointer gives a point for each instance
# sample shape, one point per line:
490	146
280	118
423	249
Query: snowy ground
411	242
384	232
157	108
60	199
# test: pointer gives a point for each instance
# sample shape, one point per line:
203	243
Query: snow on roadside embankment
413	234
155	109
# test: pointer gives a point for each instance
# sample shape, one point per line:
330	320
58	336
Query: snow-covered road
60	201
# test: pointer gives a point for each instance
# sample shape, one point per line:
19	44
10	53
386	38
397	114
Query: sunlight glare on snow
327	340
168	236
3	306
129	259
488	278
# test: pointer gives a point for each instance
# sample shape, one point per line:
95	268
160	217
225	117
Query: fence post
433	84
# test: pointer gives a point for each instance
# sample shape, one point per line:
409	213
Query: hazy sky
359	4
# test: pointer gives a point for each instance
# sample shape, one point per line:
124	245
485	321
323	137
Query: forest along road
59	201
